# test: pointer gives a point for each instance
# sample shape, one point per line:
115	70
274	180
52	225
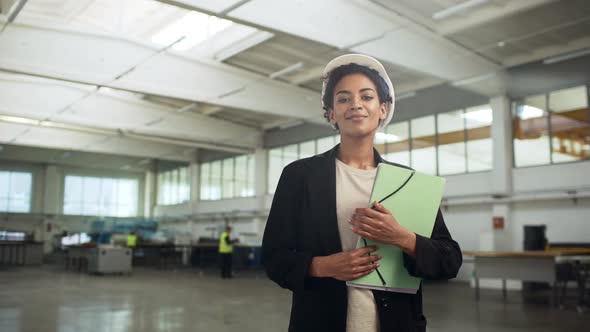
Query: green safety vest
131	241
225	248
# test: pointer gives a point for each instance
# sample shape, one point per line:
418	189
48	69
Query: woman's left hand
379	225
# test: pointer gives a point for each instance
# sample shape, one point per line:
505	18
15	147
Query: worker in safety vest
132	240
226	250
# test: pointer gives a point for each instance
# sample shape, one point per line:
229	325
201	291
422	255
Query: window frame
100	176
247	181
32	187
517	101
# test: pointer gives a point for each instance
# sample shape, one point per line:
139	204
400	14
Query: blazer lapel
323	187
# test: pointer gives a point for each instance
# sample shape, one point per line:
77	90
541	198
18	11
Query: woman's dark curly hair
352	68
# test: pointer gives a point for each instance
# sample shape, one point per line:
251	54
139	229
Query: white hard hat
367	61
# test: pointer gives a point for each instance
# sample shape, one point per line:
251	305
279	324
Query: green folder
413	198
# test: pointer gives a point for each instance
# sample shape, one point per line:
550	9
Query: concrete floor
48	299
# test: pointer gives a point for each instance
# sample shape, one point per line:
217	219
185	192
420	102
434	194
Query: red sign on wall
498	222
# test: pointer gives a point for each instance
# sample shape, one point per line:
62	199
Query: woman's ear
383	111
332	116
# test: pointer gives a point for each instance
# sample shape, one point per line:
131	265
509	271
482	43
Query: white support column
150	193
194	171
502	146
497	236
52	205
261	176
52	192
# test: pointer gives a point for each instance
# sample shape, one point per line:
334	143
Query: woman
319	211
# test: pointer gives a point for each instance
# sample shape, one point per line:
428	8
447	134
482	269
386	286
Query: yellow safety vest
131	241
225	248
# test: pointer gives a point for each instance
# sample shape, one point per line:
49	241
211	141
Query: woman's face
357	110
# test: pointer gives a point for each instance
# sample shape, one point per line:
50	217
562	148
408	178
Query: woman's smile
356	117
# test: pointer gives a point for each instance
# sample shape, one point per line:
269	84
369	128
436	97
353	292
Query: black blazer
302	224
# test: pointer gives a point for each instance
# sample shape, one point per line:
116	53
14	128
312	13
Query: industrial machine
103	259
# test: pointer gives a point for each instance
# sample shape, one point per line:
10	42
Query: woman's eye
367	97
343	100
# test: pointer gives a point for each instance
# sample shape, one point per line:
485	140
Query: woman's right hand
346	265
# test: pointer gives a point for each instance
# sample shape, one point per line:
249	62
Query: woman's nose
355	103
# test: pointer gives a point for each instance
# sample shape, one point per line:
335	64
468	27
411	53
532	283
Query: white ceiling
87	75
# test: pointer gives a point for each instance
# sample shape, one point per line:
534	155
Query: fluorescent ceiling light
472	80
405	95
530	112
193	28
231	93
19	120
567	56
240	45
187	108
287	70
453	10
381	138
291	124
153	122
482	116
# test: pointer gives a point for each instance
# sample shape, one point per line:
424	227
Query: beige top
353	190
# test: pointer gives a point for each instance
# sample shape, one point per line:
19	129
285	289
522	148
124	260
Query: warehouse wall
46	218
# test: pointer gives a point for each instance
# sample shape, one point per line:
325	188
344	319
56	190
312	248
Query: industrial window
478	132
326	143
282	156
531	132
452	154
306	149
244	176
278	158
455	142
394	143
227	178
423	140
552	128
15	191
570	125
174	186
100	196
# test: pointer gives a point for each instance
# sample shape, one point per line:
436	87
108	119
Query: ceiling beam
487	14
417	85
91	59
548	51
307	75
78	141
69	104
210	109
377	30
107	132
248	42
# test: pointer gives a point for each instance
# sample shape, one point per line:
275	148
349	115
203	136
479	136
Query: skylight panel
192	29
